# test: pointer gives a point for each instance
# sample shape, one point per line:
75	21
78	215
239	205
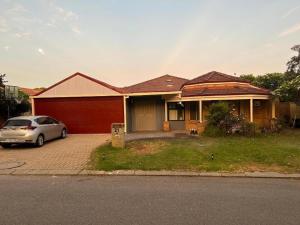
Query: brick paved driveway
71	153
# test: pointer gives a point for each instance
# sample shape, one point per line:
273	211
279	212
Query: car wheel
6	145
63	133
39	141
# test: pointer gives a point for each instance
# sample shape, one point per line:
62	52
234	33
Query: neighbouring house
30	91
166	103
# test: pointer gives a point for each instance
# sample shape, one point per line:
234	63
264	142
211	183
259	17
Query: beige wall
78	86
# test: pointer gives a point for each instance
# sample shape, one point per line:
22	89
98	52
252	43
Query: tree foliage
270	81
2	79
12	107
285	85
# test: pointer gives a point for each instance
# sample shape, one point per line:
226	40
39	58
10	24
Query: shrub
213	131
225	121
217	113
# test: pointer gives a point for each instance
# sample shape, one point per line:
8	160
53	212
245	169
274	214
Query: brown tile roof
224	90
30	91
214	77
166	83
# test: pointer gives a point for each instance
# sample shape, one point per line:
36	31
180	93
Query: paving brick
69	155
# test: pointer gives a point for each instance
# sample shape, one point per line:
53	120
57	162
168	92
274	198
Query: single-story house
166	103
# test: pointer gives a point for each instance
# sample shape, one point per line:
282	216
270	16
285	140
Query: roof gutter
153	93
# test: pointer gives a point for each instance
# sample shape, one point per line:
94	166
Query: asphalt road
26	200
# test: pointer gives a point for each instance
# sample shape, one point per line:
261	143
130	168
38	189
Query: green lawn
273	152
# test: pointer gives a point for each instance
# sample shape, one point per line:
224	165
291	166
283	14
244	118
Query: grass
274	152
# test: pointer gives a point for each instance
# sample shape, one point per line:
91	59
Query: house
166	103
30	91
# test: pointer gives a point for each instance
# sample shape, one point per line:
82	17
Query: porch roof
224	90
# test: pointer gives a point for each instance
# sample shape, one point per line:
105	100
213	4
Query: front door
144	115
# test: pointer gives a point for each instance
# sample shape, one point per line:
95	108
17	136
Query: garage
84	104
83	115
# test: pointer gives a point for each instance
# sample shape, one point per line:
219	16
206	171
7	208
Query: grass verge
275	152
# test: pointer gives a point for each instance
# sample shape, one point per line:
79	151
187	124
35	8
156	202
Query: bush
225	121
217	113
213	131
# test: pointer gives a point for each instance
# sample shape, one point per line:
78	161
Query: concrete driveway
58	156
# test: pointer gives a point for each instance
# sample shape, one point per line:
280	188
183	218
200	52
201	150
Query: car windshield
17	123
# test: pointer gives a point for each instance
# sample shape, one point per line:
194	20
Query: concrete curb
64	172
190	174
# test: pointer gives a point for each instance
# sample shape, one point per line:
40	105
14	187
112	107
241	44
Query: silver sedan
32	130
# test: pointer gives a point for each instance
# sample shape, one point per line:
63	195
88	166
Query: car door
49	128
57	128
44	127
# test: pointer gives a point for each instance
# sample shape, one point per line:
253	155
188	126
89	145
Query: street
43	200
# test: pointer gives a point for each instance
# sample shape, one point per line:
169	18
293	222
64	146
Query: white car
32	130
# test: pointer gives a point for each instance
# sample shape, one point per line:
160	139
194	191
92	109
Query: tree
270	81
2	79
2	90
286	86
289	90
293	66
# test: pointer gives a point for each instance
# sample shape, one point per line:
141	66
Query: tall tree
270	81
293	66
2	91
2	79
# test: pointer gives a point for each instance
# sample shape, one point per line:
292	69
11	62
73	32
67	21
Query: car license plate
10	140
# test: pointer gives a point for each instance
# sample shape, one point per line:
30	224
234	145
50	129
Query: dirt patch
254	167
147	147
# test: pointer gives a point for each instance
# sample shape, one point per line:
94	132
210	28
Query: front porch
190	115
176	113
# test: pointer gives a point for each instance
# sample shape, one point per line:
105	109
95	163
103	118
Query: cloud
75	30
3	25
290	30
6	48
41	51
63	17
66	15
17	8
291	11
22	34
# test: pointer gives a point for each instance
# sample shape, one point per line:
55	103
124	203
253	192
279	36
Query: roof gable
79	84
215	77
166	83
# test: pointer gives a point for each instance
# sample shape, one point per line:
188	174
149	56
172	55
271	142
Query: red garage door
84	114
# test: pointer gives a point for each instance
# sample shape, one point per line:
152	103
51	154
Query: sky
123	42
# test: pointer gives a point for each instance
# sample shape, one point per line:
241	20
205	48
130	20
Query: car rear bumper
17	140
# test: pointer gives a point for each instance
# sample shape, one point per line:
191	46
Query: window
17	123
194	110
52	121
176	111
46	120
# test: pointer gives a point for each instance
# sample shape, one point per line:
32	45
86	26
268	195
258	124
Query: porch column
200	111
166	111
273	109
251	110
32	106
125	113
